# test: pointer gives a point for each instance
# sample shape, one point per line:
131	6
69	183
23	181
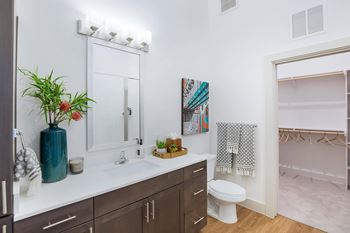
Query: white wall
240	40
48	39
317	103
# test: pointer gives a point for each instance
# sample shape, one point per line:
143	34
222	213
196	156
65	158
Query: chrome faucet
123	158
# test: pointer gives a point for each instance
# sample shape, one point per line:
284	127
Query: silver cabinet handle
91	230
4	229
198	170
198	192
153	210
147	212
126	116
59	222
4	197
198	221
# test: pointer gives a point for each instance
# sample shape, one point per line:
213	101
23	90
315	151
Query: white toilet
222	195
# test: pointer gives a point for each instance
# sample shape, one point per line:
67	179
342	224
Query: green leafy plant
173	148
56	104
160	144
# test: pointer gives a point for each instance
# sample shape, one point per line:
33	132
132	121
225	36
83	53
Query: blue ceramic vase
53	154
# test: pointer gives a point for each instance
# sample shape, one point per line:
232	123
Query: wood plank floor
252	222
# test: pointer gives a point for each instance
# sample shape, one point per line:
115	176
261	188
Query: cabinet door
129	219
166	211
6	105
84	228
57	220
6	225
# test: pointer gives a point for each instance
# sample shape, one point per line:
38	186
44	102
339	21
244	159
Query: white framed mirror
114	82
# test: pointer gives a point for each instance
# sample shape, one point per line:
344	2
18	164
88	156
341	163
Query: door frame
271	110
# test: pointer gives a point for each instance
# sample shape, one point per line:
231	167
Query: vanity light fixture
113	35
111	31
127	35
143	40
116	33
89	26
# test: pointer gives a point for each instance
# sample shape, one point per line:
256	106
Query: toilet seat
226	191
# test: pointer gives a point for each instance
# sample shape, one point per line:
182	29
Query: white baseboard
254	206
314	174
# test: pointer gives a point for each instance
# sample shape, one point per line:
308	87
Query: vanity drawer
195	170
195	193
196	219
84	228
57	220
114	200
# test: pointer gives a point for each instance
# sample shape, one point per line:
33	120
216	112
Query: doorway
271	111
313	144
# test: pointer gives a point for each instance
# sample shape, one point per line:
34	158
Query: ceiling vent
308	22
227	5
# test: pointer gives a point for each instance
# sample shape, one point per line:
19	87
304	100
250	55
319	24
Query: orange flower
76	116
64	106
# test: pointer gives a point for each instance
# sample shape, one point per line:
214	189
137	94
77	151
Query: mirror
114	83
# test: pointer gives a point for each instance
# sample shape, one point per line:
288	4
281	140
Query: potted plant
57	106
161	146
173	148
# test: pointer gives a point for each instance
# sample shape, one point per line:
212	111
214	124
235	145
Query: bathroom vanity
169	196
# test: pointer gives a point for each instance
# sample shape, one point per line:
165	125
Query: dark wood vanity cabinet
160	213
171	203
195	197
6	224
58	220
129	219
84	228
166	210
158	207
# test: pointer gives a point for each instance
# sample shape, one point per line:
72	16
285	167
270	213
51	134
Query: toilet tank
211	163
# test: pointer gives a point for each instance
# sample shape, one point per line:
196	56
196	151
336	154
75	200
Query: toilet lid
228	188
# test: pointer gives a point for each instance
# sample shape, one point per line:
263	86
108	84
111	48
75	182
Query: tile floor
319	204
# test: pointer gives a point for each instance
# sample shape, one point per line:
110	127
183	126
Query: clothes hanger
282	135
325	140
340	142
322	139
290	136
310	138
329	141
300	138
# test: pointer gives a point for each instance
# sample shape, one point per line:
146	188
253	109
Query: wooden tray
181	152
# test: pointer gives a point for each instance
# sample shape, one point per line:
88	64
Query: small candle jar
76	165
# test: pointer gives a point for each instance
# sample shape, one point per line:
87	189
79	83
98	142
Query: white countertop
95	181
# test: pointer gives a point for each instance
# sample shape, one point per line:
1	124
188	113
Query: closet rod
312	76
296	130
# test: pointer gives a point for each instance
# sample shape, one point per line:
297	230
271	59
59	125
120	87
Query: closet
314	153
314	99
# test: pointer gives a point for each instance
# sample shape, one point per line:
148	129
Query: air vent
315	19
299	24
308	22
227	5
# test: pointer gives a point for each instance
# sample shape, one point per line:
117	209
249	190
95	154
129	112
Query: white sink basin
131	168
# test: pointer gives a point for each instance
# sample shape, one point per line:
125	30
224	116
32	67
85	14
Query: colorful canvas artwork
195	107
